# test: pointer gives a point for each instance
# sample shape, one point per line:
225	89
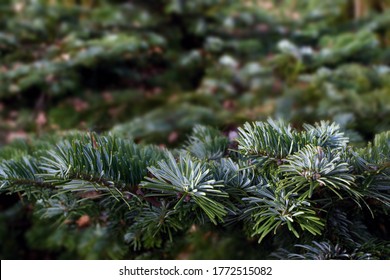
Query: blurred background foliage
151	70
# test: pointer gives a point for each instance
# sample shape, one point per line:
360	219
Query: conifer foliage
172	154
309	186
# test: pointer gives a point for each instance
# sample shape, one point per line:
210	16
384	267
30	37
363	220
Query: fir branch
151	196
23	176
206	143
152	225
327	135
313	167
271	140
322	251
105	160
271	210
187	181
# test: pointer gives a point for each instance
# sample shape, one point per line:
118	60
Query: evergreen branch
206	143
270	139
322	251
327	135
377	152
271	210
99	159
187	181
277	140
91	172
313	167
239	180
22	176
235	175
152	224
